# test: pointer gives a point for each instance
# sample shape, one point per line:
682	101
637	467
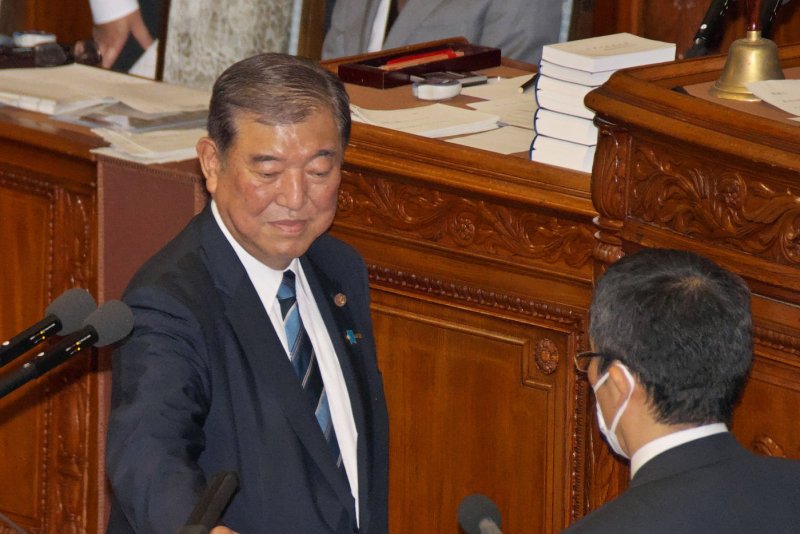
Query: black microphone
711	29
107	324
477	514
63	316
212	503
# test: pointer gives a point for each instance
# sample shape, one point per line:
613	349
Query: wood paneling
480	269
690	172
47	449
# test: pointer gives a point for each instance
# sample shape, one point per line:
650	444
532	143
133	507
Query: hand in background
222	530
112	36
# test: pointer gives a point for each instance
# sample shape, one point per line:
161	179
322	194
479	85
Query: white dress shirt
652	449
107	10
378	35
267	281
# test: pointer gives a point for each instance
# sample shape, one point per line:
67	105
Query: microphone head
71	309
112	321
475	508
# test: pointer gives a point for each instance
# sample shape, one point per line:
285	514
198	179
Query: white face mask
611	433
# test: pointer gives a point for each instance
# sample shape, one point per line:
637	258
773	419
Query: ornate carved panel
475	226
51	232
706	198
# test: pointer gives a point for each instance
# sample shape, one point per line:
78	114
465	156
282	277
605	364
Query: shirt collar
652	449
265	279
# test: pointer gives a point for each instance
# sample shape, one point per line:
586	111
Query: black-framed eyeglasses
584	359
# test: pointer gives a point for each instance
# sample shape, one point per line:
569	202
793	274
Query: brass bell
751	59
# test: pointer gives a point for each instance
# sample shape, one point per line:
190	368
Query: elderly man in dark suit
672	340
252	349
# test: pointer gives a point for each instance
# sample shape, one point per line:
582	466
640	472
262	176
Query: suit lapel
332	303
265	355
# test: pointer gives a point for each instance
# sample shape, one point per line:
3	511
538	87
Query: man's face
276	188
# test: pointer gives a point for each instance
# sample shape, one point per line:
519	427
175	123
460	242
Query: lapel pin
340	300
352	337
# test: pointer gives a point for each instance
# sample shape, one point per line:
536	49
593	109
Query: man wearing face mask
671	334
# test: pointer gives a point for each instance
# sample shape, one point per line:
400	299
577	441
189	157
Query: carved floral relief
722	206
452	220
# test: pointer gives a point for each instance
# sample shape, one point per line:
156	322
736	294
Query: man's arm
114	21
160	399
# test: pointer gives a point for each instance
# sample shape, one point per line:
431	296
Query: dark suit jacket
707	486
205	385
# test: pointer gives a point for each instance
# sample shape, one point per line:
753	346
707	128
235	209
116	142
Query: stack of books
565	132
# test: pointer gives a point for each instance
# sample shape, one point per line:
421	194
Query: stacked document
160	146
436	120
565	134
145	121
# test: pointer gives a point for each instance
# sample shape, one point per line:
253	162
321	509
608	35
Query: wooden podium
481	268
720	178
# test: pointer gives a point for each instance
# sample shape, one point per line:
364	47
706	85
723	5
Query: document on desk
436	120
783	94
517	110
497	88
59	89
150	147
505	140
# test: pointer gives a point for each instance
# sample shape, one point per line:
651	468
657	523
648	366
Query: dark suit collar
265	354
332	303
688	457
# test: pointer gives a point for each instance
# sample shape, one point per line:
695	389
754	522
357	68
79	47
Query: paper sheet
56	89
517	110
150	147
783	94
505	140
436	120
497	88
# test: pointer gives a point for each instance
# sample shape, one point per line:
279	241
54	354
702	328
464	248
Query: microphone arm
29	338
44	361
710	32
769	10
212	503
108	324
64	315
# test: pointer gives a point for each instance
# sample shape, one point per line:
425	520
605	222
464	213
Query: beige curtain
204	37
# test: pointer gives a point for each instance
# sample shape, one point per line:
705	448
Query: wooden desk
674	170
64	224
481	272
480	268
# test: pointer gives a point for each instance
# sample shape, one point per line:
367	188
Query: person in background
518	27
252	349
671	336
122	33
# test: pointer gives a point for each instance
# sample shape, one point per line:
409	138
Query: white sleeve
107	10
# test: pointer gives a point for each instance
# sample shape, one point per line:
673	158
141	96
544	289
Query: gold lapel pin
340	299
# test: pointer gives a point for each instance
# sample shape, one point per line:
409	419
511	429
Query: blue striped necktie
304	361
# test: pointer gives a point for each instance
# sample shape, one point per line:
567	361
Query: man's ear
618	385
210	162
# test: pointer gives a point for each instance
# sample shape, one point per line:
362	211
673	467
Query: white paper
783	94
497	88
56	89
150	147
436	120
505	140
517	110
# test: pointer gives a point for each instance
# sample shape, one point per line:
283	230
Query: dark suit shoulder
337	260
